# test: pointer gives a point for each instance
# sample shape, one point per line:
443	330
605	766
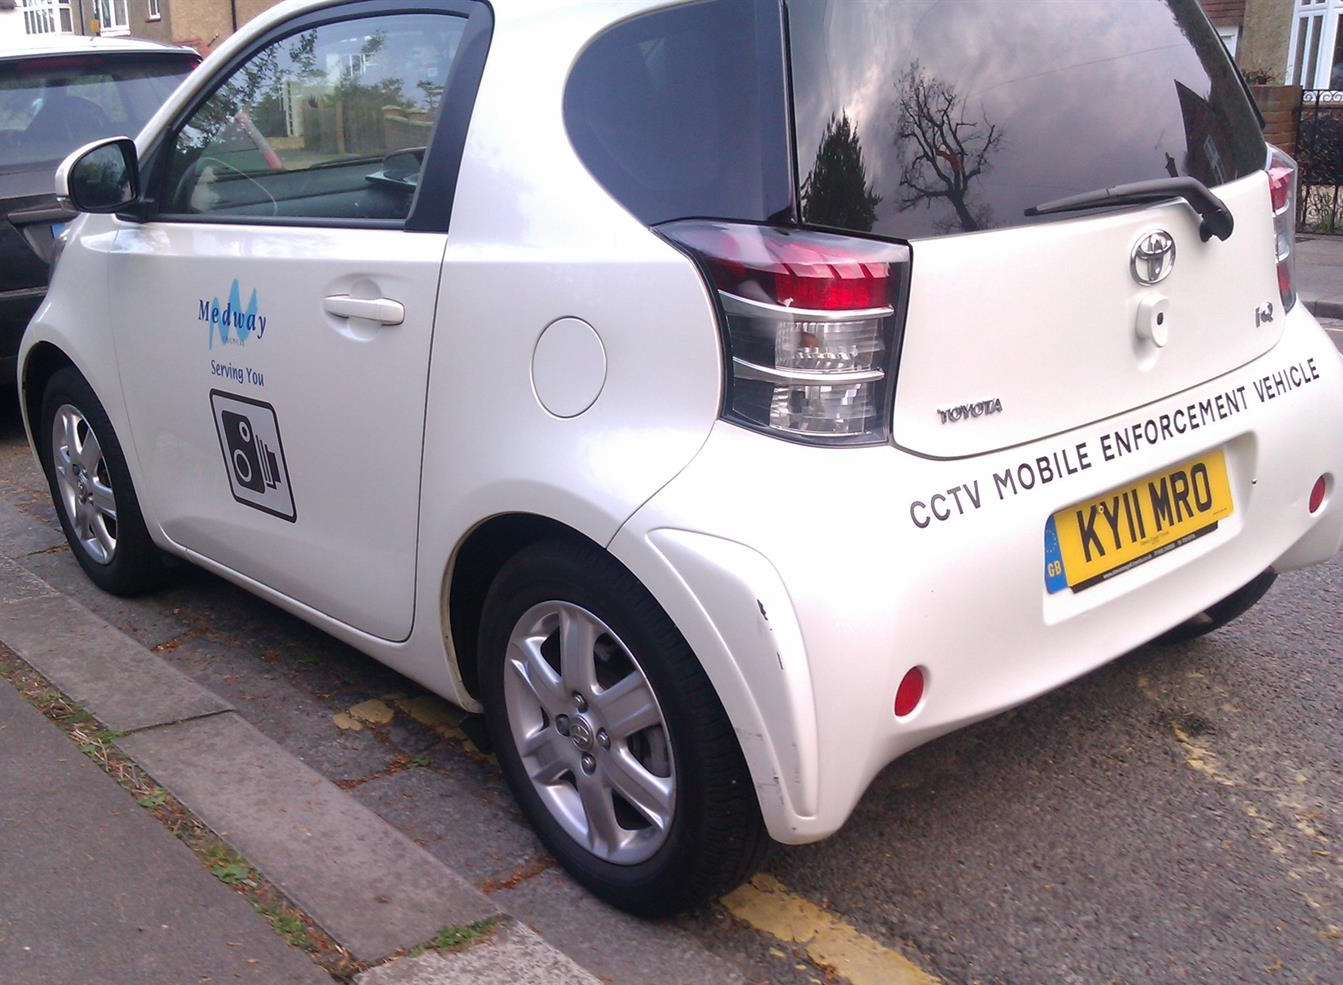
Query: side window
328	123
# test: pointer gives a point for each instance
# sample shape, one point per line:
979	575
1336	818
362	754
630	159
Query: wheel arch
488	546
43	361
476	562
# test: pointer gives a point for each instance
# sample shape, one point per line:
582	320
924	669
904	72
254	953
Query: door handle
384	311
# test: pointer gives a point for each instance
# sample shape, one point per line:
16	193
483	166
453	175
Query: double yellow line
766	904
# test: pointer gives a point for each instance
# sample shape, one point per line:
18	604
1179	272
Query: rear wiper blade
1217	218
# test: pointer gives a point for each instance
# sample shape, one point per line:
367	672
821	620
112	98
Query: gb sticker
249	437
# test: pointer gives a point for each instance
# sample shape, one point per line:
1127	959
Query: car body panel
334	387
1080	354
965	598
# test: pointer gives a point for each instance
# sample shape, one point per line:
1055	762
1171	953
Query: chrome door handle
384	311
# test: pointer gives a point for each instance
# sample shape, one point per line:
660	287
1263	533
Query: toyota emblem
1153	257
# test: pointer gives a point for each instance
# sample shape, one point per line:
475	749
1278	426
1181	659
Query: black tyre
1218	615
92	490
611	736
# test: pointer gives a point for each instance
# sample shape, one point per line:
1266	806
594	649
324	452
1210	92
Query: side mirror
103	176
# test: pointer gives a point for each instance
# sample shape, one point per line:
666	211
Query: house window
1230	36
47	17
112	14
1315	56
154	13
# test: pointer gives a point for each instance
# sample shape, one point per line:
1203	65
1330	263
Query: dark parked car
56	97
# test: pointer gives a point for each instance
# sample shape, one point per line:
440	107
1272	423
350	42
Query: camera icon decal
249	437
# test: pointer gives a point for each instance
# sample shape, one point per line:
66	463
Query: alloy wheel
84	483
590	733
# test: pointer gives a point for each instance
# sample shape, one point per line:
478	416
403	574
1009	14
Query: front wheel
91	488
611	736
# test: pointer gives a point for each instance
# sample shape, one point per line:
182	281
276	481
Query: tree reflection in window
942	149
333	95
836	191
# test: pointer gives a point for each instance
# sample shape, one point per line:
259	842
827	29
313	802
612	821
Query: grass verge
460	938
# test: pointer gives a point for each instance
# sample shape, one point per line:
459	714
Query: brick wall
1225	13
247	9
1278	104
142	26
202	24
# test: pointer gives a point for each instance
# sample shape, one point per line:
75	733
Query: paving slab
1319	274
515	955
124	685
22	534
96	890
614	945
470	824
368	885
147	619
18	585
259	681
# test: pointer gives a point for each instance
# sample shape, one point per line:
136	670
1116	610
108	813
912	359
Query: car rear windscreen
921	118
51	105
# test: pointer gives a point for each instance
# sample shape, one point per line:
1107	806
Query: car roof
74	44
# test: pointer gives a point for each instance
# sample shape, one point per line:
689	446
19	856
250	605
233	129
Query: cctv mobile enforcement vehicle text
727	397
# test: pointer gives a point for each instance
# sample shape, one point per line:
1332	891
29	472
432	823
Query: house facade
11	22
1292	42
199	23
1297	42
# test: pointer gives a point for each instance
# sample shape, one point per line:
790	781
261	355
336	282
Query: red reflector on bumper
909	693
1317	495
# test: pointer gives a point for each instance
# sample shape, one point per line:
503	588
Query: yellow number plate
1093	541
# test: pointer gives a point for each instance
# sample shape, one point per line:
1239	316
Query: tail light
1282	190
810	326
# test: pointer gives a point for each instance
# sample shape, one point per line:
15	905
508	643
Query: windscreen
50	106
921	118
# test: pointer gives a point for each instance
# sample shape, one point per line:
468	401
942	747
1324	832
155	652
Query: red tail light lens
810	326
1281	177
1282	192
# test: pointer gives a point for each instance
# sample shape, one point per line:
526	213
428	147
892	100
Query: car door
278	300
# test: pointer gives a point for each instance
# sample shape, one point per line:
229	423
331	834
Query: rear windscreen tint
920	118
683	112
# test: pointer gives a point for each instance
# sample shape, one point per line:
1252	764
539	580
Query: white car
725	397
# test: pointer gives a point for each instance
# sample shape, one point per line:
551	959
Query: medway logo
233	323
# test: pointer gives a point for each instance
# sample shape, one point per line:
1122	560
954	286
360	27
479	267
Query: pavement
1319	274
1173	816
98	891
99	888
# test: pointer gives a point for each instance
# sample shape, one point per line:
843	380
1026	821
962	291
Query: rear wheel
91	488
1218	615
610	734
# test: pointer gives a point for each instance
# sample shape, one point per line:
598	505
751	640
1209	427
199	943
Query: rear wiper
1217	218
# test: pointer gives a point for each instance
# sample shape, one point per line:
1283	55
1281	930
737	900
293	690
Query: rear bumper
803	582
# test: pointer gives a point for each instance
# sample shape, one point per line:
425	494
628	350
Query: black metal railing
1319	153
